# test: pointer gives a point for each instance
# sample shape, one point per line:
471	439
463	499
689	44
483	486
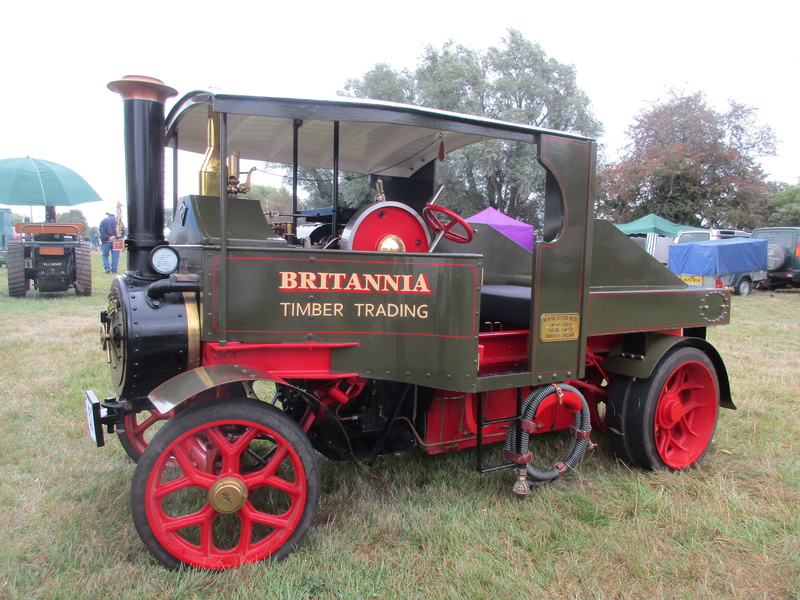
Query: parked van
688	236
654	244
783	256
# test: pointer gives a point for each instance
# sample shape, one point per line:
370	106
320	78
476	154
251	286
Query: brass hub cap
227	495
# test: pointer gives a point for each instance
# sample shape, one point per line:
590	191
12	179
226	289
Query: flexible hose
577	447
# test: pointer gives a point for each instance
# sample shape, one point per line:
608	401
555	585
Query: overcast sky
58	57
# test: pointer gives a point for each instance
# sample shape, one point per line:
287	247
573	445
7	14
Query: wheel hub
227	495
670	410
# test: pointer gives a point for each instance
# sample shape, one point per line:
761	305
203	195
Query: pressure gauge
164	260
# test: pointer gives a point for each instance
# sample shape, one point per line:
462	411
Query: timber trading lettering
362	309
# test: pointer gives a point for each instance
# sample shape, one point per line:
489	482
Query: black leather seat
507	304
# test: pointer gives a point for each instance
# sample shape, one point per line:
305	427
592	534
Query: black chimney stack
143	102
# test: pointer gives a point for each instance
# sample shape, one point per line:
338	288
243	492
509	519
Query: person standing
108	233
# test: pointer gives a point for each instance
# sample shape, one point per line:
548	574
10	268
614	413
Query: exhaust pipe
143	103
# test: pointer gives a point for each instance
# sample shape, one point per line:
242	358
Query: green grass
430	527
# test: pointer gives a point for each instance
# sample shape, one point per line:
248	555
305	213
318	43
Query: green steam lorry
381	328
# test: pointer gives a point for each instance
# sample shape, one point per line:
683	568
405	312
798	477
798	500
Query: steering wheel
432	219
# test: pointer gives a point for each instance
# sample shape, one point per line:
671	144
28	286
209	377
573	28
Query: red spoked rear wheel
668	420
226	482
686	415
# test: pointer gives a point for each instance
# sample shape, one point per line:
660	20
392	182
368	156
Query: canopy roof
374	137
652	224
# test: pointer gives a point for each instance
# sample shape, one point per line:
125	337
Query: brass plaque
559	327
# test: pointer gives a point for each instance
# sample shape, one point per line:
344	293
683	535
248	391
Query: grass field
430	527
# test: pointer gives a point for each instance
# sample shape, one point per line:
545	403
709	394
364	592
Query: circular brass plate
227	495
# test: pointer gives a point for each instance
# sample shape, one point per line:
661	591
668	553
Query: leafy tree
786	207
76	216
272	199
691	165
72	216
354	188
513	82
393	86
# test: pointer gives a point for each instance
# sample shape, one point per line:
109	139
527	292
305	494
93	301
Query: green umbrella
33	182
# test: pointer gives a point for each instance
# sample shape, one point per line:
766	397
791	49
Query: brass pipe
209	172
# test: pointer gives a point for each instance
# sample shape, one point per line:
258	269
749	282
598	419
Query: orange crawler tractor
52	256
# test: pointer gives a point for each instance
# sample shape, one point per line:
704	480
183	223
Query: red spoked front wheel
140	427
227	482
667	420
139	430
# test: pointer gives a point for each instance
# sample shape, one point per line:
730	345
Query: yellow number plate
693	279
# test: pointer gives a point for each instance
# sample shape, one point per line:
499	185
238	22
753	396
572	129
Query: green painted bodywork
396	331
584	277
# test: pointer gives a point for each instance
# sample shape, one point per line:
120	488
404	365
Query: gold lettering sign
559	327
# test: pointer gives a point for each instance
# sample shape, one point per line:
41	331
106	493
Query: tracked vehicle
381	328
50	257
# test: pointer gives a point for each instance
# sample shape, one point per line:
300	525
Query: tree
272	199
76	216
392	86
72	216
513	82
691	165
786	207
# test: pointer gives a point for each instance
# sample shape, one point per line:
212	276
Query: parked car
688	236
783	256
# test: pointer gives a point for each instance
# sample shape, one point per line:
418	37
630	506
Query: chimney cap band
137	87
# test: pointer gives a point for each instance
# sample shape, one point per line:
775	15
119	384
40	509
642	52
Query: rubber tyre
83	270
744	287
176	519
777	257
667	421
15	262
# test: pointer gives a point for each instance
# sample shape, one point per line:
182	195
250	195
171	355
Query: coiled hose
580	430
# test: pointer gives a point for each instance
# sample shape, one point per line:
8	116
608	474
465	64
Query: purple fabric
521	233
